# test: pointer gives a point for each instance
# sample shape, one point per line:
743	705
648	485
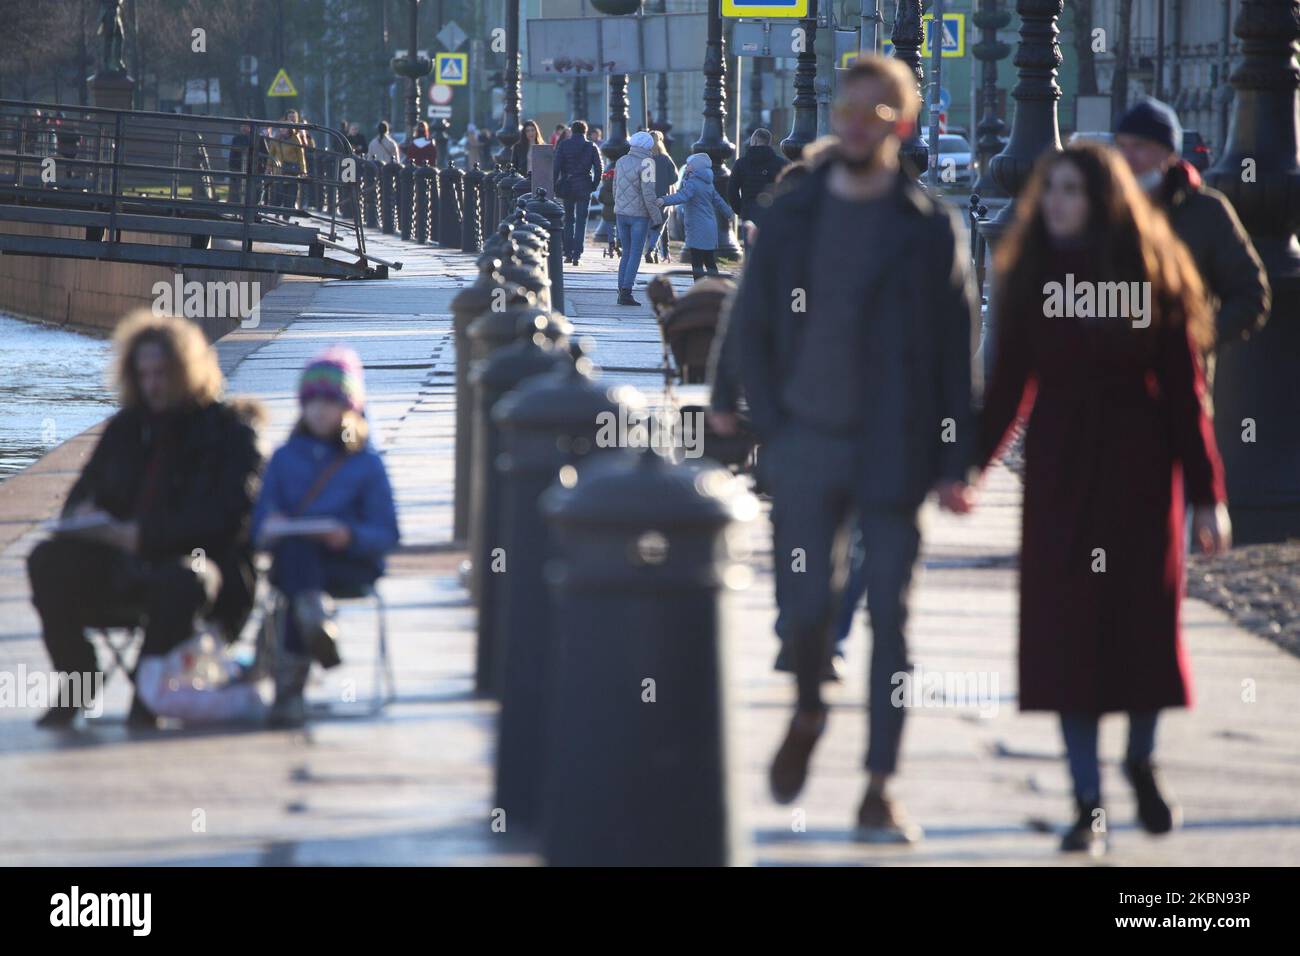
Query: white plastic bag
197	683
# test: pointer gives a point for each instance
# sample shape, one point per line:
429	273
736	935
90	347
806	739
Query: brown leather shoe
881	820
790	765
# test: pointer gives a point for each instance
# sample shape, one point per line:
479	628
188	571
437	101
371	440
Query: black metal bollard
405	200
435	206
370	193
553	212
421	227
488	200
493	329
532	354
449	220
471	227
637	755
547	423
506	194
491	334
467	305
388	198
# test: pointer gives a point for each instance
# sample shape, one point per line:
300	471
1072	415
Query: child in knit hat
327	516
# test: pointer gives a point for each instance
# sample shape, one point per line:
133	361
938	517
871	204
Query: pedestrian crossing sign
765	8
282	85
954	36
452	69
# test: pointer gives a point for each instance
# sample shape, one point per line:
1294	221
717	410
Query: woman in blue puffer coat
701	205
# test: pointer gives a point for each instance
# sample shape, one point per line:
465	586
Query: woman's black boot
1088	833
1155	813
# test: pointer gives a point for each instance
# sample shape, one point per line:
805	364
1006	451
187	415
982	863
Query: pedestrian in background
577	172
383	148
357	138
530	135
701	204
636	209
1117	417
753	175
422	151
656	246
289	146
855	364
1151	139
328	469
561	133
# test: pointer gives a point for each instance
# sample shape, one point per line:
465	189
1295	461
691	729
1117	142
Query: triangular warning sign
282	85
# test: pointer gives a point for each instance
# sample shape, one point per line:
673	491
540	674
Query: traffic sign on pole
451	69
282	85
765	8
954	36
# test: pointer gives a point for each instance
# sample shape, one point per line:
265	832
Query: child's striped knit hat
334	374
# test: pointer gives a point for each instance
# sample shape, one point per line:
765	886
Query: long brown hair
1128	237
537	131
196	376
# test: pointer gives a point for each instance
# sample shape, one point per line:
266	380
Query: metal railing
241	179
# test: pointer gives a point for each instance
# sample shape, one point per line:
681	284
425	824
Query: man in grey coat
850	337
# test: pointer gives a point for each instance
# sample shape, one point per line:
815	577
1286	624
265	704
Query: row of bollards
596	570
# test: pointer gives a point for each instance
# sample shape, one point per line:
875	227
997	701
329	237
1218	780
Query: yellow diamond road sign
452	69
282	85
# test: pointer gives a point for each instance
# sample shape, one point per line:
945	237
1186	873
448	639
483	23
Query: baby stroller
688	325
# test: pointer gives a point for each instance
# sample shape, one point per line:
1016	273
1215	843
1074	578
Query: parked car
1195	150
1098	137
956	162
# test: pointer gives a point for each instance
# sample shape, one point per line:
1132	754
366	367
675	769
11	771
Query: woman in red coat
421	150
1101	320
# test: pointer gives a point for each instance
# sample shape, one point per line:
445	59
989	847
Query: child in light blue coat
701	204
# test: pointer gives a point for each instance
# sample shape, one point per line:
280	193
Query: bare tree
1083	52
1119	83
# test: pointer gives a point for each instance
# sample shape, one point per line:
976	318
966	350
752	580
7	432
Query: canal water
53	385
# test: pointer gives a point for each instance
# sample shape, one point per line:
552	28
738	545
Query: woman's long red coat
1116	430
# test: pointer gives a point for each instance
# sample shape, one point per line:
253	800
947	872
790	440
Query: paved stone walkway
415	785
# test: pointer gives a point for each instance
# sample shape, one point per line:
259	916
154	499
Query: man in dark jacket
753	175
855	361
1150	137
577	174
156	526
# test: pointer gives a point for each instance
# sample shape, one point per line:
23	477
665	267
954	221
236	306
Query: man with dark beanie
1151	139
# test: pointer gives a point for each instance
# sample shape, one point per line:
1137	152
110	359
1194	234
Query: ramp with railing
171	189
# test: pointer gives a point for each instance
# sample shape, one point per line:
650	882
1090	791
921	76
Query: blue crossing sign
765	8
452	69
954	36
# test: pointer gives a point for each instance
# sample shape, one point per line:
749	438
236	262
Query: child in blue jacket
326	470
701	205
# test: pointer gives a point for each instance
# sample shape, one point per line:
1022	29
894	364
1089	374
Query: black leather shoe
1155	813
141	717
58	718
1088	832
832	674
625	298
790	765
